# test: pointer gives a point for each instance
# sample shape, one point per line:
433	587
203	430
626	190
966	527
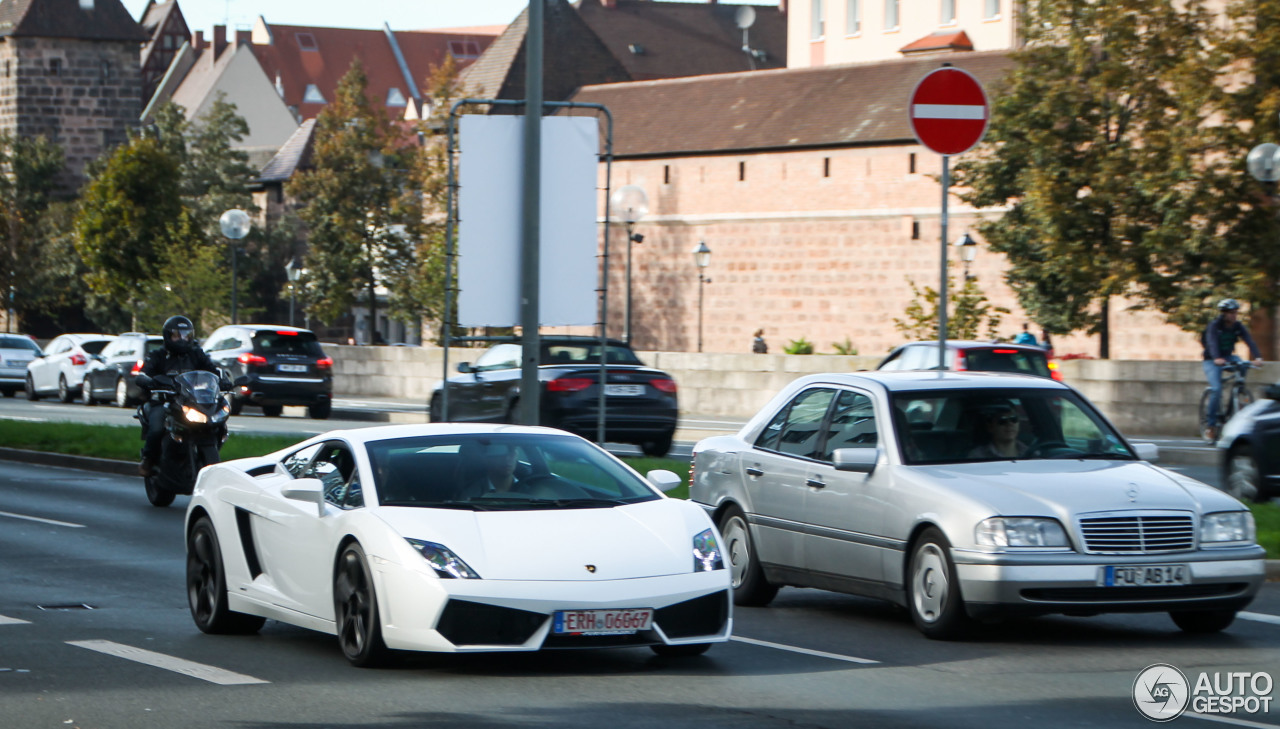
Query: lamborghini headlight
1227	529
706	552
1004	531
191	415
446	564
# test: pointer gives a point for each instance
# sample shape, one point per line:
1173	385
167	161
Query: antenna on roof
745	17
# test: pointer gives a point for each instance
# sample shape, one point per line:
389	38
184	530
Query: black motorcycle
195	425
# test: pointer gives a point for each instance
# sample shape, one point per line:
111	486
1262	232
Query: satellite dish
746	15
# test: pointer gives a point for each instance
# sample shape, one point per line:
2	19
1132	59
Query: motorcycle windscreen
199	386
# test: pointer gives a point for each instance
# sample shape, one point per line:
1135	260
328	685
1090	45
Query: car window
220	340
799	431
95	346
59	345
21	343
334	466
287	342
1007	359
920	357
587	353
852	424
152	345
499	357
297	461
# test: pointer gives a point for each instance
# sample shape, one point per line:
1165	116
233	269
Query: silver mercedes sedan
967	497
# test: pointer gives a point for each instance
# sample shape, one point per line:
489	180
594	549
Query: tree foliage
968	312
28	171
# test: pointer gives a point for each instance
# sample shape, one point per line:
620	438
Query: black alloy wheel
355	609
207	585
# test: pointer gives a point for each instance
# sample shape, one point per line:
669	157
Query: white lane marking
170	663
54	522
1260	617
1229	720
806	651
948	111
6	620
23	417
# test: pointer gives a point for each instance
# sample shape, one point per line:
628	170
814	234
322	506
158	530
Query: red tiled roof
108	20
827	106
956	40
673	39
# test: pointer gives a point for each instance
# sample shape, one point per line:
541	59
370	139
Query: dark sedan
110	374
640	401
1249	449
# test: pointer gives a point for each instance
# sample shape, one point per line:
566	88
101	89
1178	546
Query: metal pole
530	387
701	281
942	287
604	283
626	323
235	295
293	298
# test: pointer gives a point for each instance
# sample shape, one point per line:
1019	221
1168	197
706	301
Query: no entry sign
949	110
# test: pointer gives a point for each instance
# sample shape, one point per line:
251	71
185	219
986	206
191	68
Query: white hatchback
59	369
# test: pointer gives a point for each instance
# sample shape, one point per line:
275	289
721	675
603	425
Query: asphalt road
95	633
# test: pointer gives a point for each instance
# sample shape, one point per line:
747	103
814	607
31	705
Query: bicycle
1235	396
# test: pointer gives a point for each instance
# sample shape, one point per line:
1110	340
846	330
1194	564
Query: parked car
579	552
895	485
59	369
965	355
1249	449
16	351
110	374
640	402
285	366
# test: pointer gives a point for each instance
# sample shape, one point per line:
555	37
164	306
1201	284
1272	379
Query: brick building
69	70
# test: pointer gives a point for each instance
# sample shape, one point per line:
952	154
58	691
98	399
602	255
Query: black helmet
1228	305
179	334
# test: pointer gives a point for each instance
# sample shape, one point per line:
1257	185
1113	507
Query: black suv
284	366
110	374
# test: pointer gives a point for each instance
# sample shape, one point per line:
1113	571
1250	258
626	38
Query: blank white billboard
489	199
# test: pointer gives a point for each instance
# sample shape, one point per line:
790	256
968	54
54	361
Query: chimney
219	39
197	42
782	6
244	37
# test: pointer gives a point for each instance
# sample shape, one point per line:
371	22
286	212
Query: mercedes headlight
1006	531
191	415
446	564
706	552
1227	529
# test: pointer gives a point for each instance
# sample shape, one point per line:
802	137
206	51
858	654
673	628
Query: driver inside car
998	434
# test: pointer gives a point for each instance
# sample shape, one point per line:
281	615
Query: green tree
28	171
968	312
1102	146
362	202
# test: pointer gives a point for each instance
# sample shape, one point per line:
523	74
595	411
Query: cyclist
1219	341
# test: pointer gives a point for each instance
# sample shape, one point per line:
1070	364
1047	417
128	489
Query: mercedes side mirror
856	460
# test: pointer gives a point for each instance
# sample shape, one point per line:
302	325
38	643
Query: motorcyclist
179	354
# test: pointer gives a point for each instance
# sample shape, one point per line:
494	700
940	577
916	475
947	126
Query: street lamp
235	226
294	272
1263	164
968	248
632	204
702	258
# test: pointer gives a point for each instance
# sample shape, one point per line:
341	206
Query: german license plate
1145	575
625	390
602	622
292	368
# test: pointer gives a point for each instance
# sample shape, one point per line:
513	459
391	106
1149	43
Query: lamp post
294	272
968	248
632	204
702	258
235	226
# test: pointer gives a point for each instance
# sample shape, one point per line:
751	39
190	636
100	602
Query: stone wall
1140	397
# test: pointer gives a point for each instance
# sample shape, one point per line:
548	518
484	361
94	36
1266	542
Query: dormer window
312	95
394	97
307	42
464	49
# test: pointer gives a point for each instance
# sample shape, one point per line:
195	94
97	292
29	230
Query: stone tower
69	71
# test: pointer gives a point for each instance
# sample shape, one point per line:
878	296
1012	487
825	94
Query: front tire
157	494
1204	413
207	585
355	609
1241	479
1240	399
750	588
1203	621
933	591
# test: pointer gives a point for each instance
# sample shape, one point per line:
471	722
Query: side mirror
305	489
464	367
663	479
856	460
1147	451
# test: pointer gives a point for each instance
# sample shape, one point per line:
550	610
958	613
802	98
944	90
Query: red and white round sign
949	111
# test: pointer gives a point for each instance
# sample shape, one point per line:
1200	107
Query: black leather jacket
164	362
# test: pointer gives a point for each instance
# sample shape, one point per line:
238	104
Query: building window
55	66
312	95
816	20
826	166
911	163
948	12
742	171
395	98
852	17
7	70
464	49
992	9
307	42
915	230
666	174
890	14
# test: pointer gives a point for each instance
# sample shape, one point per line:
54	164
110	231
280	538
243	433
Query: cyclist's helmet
179	334
1228	305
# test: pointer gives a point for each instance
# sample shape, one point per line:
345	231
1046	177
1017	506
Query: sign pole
530	387
942	287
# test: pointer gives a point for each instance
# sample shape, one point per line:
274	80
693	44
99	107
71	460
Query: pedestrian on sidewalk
758	345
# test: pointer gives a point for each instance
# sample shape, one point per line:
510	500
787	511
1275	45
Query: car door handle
754	472
815	482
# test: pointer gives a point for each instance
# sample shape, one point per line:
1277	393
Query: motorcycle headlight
706	552
191	415
1003	532
1227	529
446	564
